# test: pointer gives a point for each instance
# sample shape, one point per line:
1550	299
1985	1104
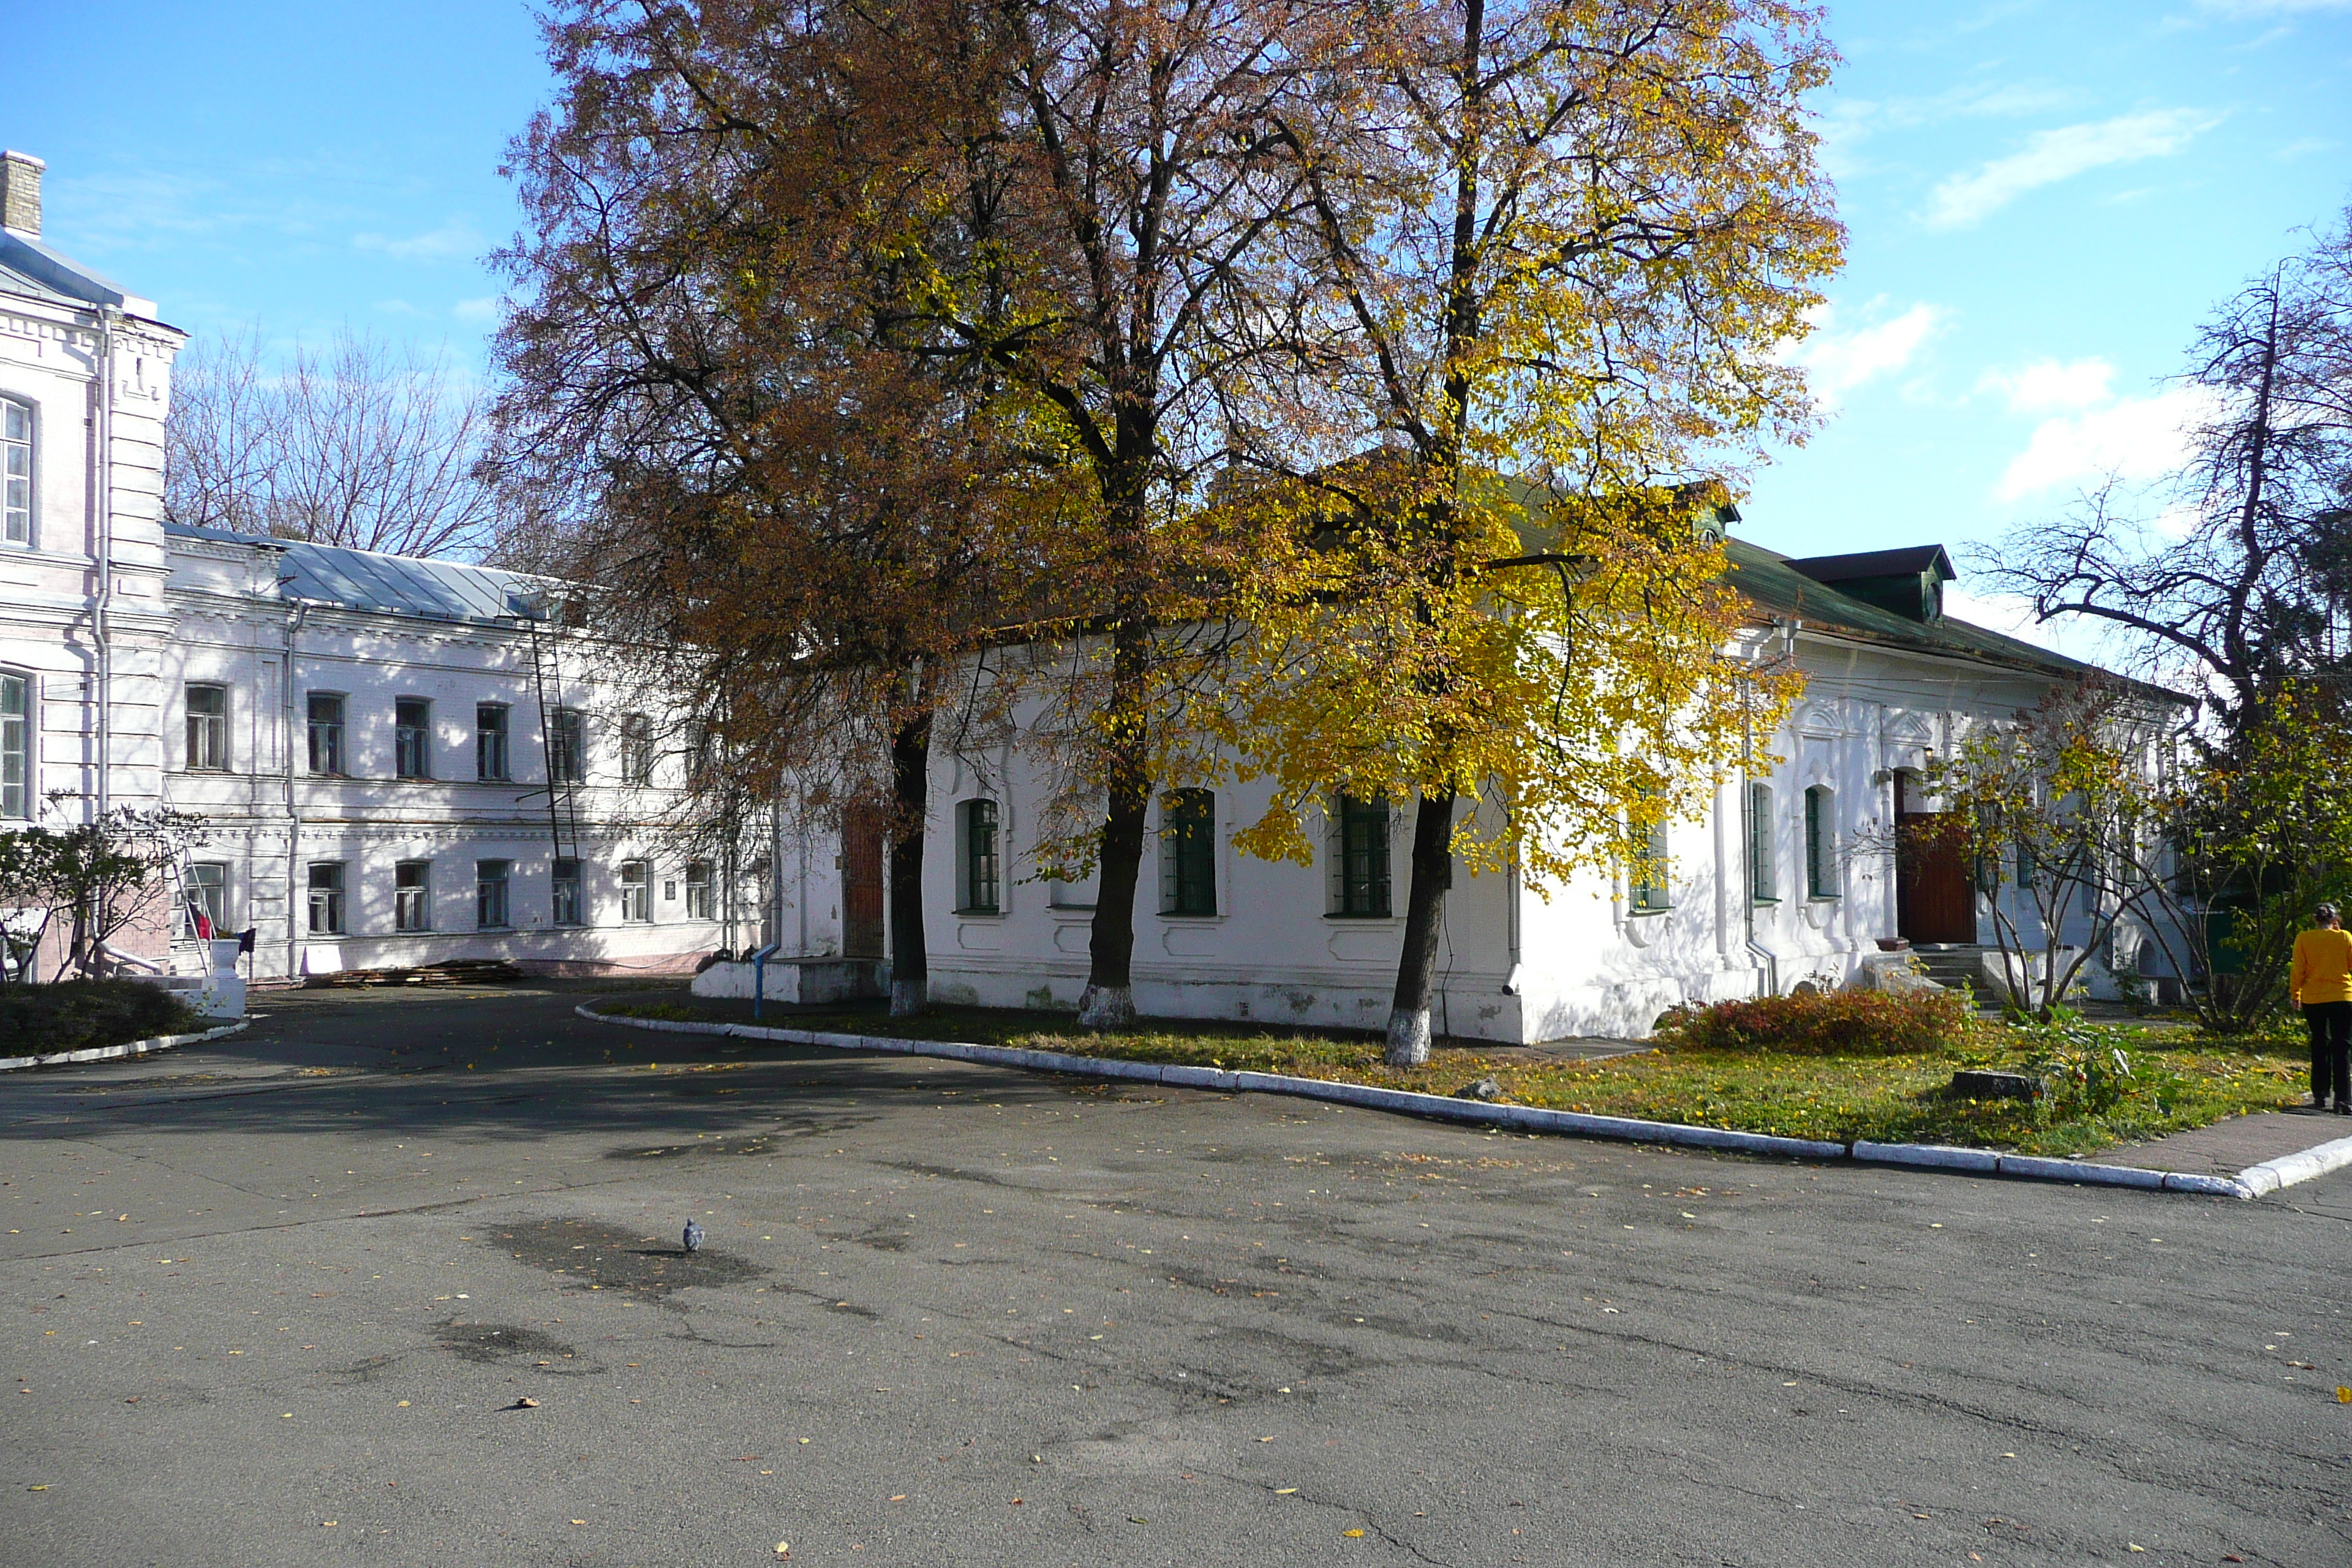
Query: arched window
1821	842
16	472
1763	870
977	858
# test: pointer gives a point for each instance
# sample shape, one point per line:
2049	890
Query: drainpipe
294	620
102	632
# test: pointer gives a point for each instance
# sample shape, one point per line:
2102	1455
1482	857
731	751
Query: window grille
1652	877
16	746
1821	842
1763	872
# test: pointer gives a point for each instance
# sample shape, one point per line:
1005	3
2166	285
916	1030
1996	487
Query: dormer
1908	581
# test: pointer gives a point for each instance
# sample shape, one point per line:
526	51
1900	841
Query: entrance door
861	884
1933	898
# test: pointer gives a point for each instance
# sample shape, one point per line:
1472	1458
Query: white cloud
2135	438
2046	386
454	239
2050	156
2270	7
483	310
1837	362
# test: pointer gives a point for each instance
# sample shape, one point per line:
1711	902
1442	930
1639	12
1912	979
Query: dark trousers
2330	1024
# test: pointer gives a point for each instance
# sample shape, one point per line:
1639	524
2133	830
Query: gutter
101	634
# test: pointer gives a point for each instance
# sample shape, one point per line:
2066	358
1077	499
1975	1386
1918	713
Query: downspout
1755	950
294	619
101	633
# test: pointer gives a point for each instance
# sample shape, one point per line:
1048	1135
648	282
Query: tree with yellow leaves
1557	246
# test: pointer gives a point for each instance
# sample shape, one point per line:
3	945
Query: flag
245	941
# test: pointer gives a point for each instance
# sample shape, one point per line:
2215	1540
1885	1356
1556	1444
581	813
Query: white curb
2252	1183
128	1049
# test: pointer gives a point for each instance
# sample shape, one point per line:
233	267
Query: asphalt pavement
395	1278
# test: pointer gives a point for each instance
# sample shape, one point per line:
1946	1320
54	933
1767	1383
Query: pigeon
693	1236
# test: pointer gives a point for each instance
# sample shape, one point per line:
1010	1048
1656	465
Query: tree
101	878
2065	804
1560	240
797	503
2244	579
2247	837
357	444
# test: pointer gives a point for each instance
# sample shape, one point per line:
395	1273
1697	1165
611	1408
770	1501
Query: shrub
1852	1023
76	1014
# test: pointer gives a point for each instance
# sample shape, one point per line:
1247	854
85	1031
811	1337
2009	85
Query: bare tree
359	444
2256	590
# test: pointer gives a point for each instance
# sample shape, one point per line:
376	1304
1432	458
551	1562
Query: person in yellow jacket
2320	981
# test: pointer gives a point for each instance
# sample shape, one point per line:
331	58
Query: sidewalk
2228	1147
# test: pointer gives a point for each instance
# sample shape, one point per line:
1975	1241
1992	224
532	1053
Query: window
564	903
1359	858
203	911
637	890
16	746
326	733
412	896
702	750
1821	842
1652	873
1763	874
697	890
326	898
978	831
490	894
16	473
636	749
567	746
412	738
207	728
490	742
1187	853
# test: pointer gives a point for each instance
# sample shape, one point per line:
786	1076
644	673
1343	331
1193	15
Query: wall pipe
102	631
759	976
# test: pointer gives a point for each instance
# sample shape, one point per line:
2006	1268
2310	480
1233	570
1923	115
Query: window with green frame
1187	853
1821	842
1648	878
978	866
1360	856
1763	872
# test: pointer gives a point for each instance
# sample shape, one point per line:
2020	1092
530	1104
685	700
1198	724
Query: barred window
1763	868
1652	873
1821	842
1360	856
979	858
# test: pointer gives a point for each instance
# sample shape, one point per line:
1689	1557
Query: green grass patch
2173	1081
79	1015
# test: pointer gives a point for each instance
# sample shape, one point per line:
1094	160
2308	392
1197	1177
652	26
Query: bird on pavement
693	1236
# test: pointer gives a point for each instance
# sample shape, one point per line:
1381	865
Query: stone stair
1954	964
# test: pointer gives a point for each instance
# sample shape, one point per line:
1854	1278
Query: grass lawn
2177	1082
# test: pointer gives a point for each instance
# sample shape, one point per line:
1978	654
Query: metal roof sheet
385	585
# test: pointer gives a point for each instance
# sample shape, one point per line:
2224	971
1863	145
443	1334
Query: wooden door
1934	899
861	884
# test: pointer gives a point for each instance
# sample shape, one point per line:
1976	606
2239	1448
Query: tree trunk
910	784
1110	999
1425	921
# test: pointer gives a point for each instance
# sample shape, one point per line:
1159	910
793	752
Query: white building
1790	878
368	737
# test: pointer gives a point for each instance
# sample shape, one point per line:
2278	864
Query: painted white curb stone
2301	1166
128	1049
2252	1183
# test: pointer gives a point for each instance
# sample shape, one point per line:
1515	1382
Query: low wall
804	980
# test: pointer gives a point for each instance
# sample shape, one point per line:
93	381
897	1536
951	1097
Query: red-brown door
1934	900
861	884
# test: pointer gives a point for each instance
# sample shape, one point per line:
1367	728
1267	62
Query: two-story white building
398	762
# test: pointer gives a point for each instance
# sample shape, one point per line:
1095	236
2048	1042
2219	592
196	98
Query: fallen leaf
1265	1439
1283	1491
1352	1534
1016	1502
404	1404
2344	1395
900	1498
2135	1546
783	1549
1135	1519
526	1403
578	1522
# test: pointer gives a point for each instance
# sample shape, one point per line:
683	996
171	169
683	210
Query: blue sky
2043	198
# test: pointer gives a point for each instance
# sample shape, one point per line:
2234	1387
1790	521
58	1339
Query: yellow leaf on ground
1352	1534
